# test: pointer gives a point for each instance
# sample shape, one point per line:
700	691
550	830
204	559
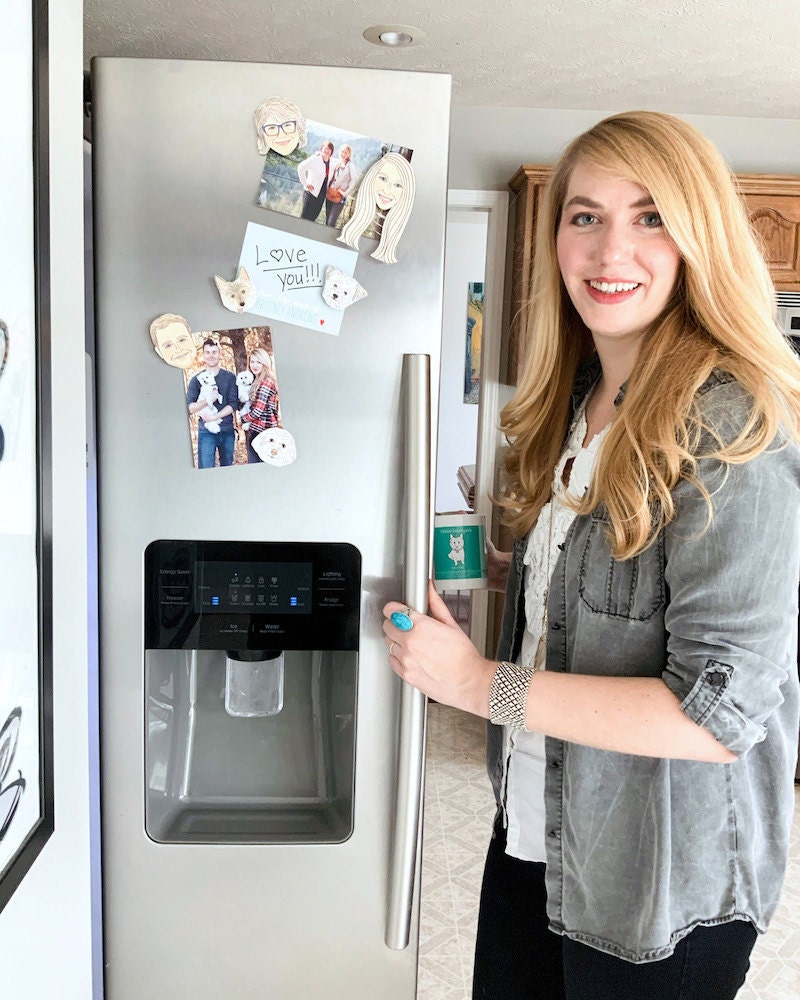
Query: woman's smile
388	187
608	291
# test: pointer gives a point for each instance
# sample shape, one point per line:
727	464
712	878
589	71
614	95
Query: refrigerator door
176	179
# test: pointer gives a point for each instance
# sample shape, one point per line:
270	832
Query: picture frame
474	342
26	653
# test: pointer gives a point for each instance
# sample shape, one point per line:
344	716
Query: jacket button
716	678
552	833
555	626
555	763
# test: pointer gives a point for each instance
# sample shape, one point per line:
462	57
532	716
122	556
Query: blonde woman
264	409
343	179
645	710
389	186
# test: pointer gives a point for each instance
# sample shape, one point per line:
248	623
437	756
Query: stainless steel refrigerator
273	852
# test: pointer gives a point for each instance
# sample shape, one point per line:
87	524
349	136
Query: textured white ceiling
712	57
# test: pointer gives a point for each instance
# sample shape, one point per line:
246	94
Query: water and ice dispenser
251	658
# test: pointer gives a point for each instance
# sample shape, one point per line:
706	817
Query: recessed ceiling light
394	36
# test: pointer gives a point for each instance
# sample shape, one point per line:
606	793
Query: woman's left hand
437	657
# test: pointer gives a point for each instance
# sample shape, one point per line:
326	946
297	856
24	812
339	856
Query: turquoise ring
402	620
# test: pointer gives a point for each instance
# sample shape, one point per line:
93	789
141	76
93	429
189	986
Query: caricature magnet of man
173	340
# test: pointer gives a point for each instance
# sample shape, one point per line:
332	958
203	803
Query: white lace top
524	760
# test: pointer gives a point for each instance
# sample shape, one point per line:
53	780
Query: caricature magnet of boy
388	186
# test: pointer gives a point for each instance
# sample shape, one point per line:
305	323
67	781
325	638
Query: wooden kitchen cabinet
773	201
527	186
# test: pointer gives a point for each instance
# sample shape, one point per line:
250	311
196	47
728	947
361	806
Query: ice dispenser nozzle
253	682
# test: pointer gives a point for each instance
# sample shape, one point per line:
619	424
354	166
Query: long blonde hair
267	370
721	314
395	219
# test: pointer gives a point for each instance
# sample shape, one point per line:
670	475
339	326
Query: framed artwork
26	699
472	354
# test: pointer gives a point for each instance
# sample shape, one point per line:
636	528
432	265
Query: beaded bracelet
509	694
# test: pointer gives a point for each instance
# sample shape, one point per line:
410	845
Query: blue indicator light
293	601
215	601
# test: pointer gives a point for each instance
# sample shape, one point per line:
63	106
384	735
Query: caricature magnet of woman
279	126
388	185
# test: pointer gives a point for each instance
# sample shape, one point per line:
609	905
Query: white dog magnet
238	295
275	446
340	290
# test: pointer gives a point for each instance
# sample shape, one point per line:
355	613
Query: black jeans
518	958
252	454
312	204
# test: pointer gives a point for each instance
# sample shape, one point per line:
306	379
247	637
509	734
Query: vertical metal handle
413	704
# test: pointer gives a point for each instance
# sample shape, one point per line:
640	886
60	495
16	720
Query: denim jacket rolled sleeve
728	659
640	850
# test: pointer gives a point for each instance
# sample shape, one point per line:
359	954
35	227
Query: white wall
488	145
464	261
45	930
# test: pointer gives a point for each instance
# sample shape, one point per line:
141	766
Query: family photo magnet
313	170
231	392
232	400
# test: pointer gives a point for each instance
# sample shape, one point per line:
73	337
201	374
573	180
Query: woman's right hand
437	658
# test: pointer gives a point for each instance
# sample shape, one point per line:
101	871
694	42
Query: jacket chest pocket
632	589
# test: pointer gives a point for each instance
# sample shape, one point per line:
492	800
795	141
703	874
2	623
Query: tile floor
458	816
459	808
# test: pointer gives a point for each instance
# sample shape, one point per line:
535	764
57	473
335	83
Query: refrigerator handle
413	704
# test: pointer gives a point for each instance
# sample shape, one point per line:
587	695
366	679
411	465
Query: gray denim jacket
639	849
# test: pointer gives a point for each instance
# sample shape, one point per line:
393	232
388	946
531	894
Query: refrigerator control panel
252	595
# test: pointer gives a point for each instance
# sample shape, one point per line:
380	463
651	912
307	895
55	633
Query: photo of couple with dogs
233	401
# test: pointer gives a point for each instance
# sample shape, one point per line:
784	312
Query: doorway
459	806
